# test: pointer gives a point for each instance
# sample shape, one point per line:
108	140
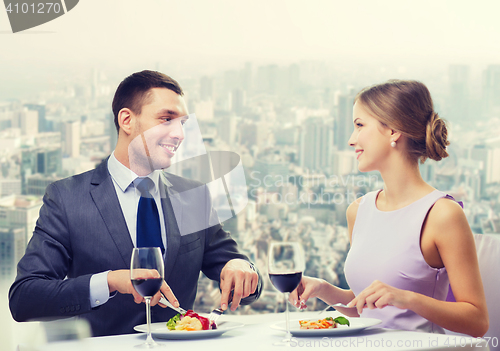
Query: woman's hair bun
436	138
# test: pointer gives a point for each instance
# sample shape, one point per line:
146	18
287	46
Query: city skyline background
265	80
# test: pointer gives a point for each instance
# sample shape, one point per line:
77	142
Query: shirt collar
124	176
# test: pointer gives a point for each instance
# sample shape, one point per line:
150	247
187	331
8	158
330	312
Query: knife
164	301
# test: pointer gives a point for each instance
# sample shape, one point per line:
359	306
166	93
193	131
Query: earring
393	143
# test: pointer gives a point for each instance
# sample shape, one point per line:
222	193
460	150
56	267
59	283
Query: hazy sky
228	32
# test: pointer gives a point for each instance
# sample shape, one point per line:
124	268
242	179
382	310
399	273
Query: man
77	262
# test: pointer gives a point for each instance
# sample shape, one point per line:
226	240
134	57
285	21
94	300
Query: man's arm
40	289
234	271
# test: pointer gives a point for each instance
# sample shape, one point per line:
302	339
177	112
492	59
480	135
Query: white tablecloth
257	333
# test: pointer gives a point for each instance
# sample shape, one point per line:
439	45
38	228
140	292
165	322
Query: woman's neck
403	185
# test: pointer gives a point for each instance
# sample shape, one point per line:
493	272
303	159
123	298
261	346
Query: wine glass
286	264
146	274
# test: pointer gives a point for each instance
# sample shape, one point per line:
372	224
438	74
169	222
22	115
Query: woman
409	241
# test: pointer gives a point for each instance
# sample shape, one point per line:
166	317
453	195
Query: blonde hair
406	106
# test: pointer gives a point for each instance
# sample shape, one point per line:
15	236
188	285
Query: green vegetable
173	321
342	320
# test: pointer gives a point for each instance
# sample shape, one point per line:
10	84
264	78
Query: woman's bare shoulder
444	211
446	221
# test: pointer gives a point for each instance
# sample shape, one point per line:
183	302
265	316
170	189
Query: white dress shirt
128	196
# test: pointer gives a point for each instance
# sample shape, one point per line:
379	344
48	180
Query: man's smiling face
157	131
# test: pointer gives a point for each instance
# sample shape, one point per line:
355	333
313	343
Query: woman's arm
448	227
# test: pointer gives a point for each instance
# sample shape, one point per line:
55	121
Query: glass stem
149	339
288	336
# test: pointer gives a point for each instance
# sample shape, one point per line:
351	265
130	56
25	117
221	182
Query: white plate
161	331
357	324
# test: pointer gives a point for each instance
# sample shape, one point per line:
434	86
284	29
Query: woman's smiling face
371	139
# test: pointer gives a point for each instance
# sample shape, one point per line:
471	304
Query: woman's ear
125	120
395	135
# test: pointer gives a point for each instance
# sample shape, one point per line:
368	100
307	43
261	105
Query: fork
216	312
335	305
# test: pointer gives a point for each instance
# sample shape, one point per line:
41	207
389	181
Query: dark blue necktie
148	220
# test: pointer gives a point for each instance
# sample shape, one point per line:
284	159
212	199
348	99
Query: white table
258	334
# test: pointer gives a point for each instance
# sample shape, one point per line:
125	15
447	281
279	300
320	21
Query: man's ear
125	120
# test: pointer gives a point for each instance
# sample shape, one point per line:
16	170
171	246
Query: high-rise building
267	79
493	166
12	247
270	172
20	212
37	183
112	132
71	144
479	153
28	122
459	82
253	134
226	128
207	88
10	187
46	160
343	122
316	144
43	124
238	101
344	162
293	78
247	77
491	89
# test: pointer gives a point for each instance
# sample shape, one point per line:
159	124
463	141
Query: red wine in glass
285	282
286	264
147	287
146	275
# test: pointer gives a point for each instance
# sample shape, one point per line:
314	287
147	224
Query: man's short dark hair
133	91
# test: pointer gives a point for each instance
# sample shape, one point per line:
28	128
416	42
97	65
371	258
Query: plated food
325	323
190	321
356	325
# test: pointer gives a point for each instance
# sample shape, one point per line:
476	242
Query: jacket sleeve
220	248
41	289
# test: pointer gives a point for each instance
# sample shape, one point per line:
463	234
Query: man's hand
120	281
237	275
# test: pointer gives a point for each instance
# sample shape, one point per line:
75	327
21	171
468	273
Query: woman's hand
309	287
379	295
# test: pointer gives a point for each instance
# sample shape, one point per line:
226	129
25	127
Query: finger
254	283
237	294
383	301
294	298
304	296
169	294
247	285
137	298
226	285
155	299
354	303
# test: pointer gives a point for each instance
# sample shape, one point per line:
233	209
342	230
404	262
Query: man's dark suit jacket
82	231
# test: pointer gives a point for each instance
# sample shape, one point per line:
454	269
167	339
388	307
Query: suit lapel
168	201
104	195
